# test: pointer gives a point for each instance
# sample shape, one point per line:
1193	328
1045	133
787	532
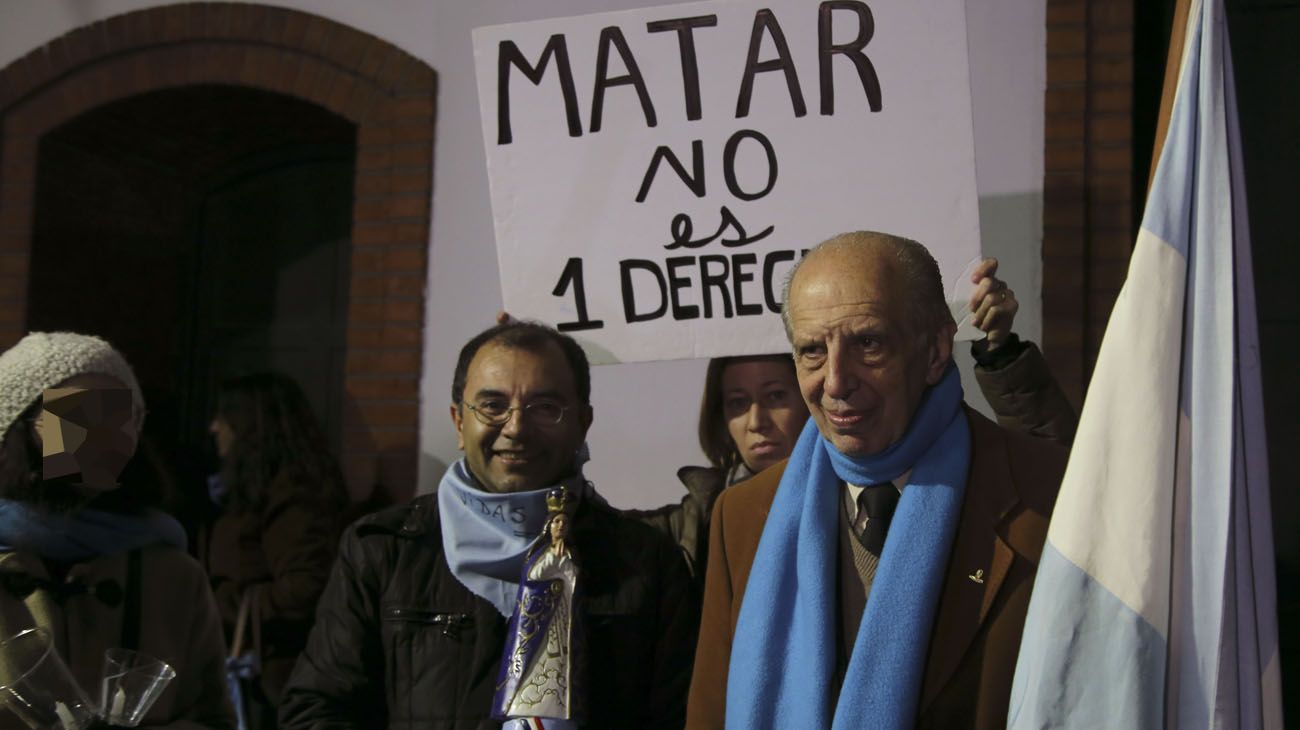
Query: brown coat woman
283	505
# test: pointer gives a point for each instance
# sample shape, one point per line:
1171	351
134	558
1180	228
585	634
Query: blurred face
525	452
223	434
760	400
87	427
862	367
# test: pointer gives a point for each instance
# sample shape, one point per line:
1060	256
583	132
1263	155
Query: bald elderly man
879	577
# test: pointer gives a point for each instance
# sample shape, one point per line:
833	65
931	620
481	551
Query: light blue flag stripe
1105	636
1169	202
1203	505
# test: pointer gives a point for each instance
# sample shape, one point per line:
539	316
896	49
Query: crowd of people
859	551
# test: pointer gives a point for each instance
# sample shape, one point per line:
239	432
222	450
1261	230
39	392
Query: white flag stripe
1118	489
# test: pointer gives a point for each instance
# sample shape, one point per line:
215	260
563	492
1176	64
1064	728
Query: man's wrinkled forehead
846	317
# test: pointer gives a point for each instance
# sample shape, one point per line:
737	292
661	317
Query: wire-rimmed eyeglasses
498	412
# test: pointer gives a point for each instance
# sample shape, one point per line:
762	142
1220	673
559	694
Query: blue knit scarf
783	653
83	535
486	535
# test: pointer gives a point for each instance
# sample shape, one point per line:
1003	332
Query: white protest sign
656	173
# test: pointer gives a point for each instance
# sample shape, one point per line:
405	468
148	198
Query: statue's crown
556	499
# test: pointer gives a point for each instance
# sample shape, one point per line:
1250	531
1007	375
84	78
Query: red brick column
1087	185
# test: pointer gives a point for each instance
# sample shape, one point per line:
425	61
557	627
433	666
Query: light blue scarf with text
486	535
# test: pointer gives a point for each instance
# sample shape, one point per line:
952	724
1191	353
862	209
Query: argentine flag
1154	604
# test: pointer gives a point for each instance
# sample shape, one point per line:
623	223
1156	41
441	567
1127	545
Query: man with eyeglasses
418	612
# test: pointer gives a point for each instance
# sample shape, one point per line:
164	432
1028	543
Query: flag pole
1173	62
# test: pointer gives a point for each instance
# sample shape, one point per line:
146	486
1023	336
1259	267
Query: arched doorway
231	60
204	231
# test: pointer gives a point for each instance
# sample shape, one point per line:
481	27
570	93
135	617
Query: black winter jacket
400	643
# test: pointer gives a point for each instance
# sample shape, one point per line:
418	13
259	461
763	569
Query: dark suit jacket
972	654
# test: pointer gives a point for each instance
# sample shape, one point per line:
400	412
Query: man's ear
586	415
456	416
940	353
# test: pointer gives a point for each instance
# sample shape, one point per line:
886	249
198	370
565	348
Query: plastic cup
132	683
959	303
36	685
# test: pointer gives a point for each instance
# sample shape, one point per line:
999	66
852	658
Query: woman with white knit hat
80	554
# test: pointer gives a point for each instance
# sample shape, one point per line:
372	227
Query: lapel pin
977	576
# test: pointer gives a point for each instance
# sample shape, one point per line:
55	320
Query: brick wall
1087	188
388	94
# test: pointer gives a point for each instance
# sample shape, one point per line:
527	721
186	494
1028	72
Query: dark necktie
876	505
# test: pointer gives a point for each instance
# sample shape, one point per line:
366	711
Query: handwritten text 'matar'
854	14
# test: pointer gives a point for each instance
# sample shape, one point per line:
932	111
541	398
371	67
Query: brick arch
387	93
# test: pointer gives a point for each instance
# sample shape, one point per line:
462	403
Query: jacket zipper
451	623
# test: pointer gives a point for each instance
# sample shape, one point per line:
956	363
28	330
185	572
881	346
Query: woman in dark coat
283	501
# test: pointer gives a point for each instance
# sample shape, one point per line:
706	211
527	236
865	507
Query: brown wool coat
1026	397
1009	496
286	549
178	624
